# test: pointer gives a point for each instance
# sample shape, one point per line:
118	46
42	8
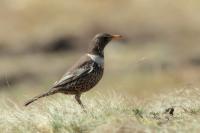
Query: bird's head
99	42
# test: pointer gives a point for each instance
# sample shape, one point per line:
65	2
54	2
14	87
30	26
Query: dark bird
85	74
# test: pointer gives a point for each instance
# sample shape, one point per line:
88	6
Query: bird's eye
106	37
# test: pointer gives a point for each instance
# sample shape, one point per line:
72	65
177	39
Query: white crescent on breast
96	58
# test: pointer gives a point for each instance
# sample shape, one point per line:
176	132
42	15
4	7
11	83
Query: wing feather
70	77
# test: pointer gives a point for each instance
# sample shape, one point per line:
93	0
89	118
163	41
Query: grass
111	113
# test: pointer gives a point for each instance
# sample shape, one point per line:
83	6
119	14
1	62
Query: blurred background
40	40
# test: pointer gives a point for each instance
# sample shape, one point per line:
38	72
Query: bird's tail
38	97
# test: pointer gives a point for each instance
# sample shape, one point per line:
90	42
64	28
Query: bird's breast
94	77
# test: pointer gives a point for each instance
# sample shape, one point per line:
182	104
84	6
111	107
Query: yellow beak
116	37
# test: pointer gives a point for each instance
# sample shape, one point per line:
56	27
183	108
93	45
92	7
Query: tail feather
37	97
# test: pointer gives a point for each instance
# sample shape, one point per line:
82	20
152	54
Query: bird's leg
77	97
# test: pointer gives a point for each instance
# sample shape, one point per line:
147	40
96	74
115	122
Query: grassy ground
112	113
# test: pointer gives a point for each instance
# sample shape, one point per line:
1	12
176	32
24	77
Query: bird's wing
71	76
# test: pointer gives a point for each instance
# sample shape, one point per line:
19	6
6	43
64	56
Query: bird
85	73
